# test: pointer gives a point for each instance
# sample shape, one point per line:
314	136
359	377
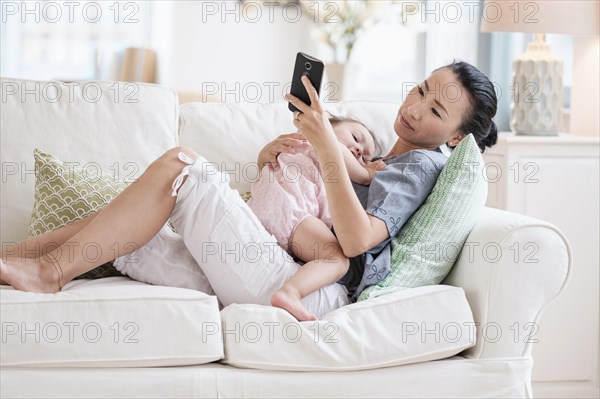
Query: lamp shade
573	17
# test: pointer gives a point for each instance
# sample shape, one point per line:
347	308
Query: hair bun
490	139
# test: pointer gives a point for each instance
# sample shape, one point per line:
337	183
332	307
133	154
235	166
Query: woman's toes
2	282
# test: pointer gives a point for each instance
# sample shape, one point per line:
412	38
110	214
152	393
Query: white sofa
471	336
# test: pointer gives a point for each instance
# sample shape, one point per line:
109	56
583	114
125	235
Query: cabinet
555	179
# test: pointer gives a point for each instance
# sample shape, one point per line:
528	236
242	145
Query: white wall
452	33
585	96
209	51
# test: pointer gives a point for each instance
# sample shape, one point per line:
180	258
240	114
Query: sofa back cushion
232	134
109	127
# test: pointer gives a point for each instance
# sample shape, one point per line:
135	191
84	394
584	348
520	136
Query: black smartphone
311	67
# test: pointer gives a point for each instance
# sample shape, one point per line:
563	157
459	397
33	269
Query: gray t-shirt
394	194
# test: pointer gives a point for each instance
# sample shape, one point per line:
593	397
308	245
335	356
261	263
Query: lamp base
537	103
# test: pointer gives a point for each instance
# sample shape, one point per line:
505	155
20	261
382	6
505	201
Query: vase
333	90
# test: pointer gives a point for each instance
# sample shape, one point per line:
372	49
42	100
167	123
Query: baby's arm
358	172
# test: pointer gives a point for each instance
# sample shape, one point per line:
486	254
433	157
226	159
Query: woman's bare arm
356	231
357	172
361	173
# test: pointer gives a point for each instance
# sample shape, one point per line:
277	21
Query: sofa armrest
511	267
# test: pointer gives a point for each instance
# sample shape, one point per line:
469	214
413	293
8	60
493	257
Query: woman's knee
168	166
172	154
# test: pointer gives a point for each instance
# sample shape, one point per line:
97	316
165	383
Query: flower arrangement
340	23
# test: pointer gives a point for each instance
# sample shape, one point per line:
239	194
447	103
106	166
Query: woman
221	246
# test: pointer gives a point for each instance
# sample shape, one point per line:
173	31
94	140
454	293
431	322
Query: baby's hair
336	120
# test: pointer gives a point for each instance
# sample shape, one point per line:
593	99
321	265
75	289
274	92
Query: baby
291	203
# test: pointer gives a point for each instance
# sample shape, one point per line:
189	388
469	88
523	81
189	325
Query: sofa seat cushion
408	326
113	322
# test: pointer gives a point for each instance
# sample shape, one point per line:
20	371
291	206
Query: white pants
221	247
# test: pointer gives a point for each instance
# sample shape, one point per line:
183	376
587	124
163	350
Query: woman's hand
284	143
312	120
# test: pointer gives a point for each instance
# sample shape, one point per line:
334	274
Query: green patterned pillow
65	193
428	245
246	196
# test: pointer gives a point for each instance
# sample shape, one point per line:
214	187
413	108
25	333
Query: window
69	40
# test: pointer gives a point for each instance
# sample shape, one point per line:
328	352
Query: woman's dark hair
484	103
335	120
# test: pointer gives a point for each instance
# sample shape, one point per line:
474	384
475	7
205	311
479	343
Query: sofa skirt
452	377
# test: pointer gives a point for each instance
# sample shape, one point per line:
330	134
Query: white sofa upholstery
110	323
479	324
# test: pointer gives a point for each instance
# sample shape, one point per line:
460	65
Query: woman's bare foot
30	275
2	282
289	299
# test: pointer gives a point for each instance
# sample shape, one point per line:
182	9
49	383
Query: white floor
565	390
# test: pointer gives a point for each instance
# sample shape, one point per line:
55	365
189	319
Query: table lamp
536	107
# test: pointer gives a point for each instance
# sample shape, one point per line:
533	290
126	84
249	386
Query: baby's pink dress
283	198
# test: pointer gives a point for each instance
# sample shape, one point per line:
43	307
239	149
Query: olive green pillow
427	246
65	192
246	196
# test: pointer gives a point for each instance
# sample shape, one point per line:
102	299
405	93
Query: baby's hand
284	143
373	167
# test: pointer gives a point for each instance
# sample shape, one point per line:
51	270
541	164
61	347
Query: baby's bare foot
30	275
289	299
